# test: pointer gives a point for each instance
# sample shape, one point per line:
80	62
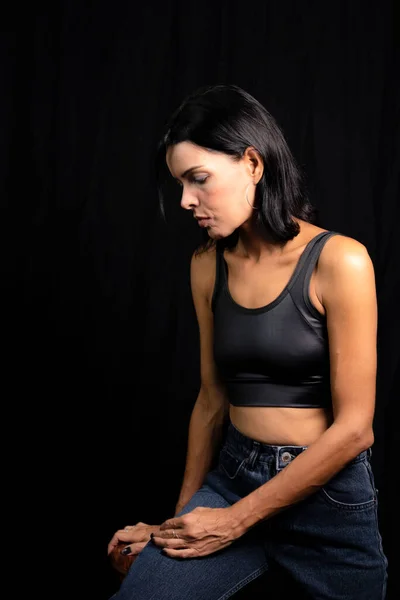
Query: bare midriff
281	425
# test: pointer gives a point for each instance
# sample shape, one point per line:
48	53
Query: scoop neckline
282	294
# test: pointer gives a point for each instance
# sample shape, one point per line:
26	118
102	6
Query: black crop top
275	355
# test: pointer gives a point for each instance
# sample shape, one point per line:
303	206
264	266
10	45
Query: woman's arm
205	433
346	286
211	407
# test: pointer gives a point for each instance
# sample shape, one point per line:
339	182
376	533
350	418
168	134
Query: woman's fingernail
126	550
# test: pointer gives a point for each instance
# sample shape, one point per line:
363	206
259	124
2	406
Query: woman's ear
255	163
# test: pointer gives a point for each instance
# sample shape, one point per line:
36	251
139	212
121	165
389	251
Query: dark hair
225	118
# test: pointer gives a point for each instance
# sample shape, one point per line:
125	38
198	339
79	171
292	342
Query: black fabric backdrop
100	340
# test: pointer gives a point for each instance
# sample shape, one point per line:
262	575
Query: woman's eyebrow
191	169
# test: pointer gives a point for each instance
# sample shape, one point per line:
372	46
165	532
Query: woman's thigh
217	576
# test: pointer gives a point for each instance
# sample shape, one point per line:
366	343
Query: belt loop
277	458
369	452
253	454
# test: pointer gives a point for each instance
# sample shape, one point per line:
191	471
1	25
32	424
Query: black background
100	340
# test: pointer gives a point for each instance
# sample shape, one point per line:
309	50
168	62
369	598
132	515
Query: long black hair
225	118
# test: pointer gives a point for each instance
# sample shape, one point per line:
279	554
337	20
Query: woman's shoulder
341	248
204	259
203	269
344	269
337	247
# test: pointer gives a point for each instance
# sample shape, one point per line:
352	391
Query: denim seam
236	473
370	477
251	459
240	464
380	546
345	506
244	582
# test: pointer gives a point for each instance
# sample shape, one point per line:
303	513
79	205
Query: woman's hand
197	533
137	536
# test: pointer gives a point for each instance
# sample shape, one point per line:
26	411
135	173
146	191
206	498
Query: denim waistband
255	450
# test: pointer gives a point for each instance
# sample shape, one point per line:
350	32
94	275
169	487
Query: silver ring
174	534
128	528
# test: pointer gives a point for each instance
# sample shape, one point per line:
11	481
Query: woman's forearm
205	432
309	471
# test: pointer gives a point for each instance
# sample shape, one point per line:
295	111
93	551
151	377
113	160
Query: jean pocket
352	488
230	464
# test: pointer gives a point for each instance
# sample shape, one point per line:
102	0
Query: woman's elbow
358	435
362	436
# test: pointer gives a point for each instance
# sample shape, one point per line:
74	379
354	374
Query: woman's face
214	185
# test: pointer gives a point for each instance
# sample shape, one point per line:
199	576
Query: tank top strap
299	285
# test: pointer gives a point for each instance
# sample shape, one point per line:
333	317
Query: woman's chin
216	234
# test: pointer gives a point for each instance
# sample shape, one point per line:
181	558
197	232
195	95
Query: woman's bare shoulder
338	246
203	270
345	269
342	248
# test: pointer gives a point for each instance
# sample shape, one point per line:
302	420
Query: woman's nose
188	200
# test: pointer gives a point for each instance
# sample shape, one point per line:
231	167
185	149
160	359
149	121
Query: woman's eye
199	181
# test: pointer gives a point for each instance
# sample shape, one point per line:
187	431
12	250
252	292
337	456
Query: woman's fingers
123	535
130	533
133	549
175	543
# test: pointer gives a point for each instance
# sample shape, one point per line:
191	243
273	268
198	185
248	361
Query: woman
287	317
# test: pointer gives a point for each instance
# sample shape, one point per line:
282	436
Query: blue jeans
328	543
